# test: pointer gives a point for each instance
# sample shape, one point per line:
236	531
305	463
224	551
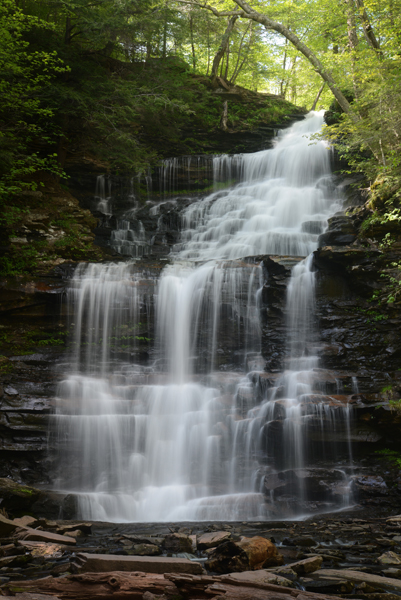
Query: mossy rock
385	193
16	498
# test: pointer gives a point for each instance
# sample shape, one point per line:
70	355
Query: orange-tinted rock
246	555
261	552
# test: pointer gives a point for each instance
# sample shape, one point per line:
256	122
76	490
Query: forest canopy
68	66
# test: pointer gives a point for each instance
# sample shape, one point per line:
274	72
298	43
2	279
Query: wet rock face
355	339
356	336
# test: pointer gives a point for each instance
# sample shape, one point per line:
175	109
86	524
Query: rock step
102	563
387	584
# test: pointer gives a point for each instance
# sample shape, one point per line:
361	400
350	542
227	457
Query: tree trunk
222	48
352	43
367	28
227	62
239	69
284	66
248	13
208	46
316	100
191	29
164	52
234	75
224	116
292	71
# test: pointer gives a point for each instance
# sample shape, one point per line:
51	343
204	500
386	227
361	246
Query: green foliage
19	261
24	118
391	455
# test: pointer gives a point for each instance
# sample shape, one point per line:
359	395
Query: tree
24	117
247	12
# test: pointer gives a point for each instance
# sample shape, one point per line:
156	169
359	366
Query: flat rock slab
211	540
83	526
34	535
376	581
102	563
308	565
256	577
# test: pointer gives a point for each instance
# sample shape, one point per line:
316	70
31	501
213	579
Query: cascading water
191	437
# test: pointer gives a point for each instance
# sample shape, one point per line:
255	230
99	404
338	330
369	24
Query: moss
23	341
385	193
6	366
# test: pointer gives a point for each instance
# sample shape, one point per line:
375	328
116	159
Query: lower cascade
201	431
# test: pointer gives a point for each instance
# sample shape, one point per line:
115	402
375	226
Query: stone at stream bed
211	540
258	577
392	572
7	526
308	565
101	563
395	520
28	521
144	550
177	542
16	498
375	581
43	549
86	528
34	535
389	558
248	554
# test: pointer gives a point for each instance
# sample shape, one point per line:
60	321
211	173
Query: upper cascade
280	207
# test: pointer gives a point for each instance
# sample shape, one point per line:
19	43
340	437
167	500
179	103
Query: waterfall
103	195
190	435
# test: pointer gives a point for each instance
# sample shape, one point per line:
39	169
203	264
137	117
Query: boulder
211	540
261	552
25	521
392	572
308	565
145	550
389	558
85	527
248	554
177	542
16	498
6	526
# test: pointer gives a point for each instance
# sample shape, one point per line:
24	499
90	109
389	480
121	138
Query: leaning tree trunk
247	12
352	44
222	48
316	100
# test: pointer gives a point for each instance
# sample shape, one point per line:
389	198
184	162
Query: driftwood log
120	585
97	586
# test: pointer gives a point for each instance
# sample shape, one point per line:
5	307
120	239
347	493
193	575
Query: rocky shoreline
337	554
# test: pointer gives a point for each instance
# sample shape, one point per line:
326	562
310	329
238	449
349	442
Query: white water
183	440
